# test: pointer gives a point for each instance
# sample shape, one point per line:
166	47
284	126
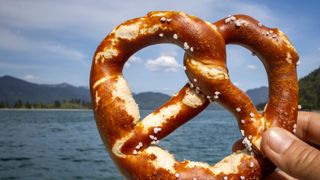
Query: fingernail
279	141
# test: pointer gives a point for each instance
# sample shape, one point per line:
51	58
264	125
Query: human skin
297	156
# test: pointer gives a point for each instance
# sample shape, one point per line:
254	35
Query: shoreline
55	109
44	109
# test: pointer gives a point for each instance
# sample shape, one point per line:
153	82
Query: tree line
57	104
309	94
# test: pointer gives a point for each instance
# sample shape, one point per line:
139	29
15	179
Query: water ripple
67	145
15	159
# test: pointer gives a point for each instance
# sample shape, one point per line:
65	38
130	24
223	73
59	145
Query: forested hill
310	91
17	91
13	89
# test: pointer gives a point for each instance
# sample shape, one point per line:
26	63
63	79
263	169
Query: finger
290	154
308	126
238	145
279	175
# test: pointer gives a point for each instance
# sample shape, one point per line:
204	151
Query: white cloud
12	41
66	52
55	15
133	59
169	50
30	77
94	19
19	44
163	63
81	17
252	67
49	28
18	66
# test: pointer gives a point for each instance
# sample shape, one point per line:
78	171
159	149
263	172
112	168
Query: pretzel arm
178	110
279	58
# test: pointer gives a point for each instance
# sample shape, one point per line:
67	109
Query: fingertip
275	141
290	153
281	140
265	148
267	137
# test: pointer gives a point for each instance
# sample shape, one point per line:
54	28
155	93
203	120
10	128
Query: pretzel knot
132	143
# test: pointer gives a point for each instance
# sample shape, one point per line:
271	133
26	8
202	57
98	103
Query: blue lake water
66	144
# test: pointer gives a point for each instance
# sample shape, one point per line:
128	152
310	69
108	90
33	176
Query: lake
56	144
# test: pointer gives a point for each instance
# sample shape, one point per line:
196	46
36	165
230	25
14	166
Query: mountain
150	100
309	94
258	95
13	89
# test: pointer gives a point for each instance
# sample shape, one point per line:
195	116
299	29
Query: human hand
298	158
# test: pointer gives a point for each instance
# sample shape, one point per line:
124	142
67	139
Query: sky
51	42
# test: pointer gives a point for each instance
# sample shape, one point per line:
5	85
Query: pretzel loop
132	143
279	58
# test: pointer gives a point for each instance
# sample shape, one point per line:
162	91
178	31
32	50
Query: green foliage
261	106
309	95
57	104
28	105
65	104
18	104
3	105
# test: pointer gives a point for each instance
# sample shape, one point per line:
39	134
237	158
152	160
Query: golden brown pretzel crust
132	143
279	58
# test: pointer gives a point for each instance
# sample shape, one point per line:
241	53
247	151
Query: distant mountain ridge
258	95
13	89
309	92
150	100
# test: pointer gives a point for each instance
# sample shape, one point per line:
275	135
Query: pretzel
132	143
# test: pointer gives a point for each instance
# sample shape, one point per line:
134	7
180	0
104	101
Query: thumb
290	154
